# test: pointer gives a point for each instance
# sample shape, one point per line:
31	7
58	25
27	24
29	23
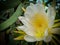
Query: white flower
37	23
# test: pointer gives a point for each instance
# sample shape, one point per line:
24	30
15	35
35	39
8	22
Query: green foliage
12	19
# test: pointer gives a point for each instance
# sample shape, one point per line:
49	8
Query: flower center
40	24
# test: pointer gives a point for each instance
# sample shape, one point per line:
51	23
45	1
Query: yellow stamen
36	43
21	32
56	25
57	20
19	38
23	9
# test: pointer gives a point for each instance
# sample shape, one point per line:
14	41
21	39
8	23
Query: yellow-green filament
37	43
56	25
54	42
56	38
57	20
23	9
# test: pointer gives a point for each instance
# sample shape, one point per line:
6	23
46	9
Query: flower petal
20	27
46	33
29	38
55	31
26	30
48	39
39	39
51	15
24	20
31	4
29	12
26	26
34	9
40	8
29	32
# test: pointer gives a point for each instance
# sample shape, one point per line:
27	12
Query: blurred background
9	12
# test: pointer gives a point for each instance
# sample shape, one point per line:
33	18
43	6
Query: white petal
48	39
28	29
31	4
39	39
29	38
55	31
46	33
51	15
51	12
34	9
40	7
25	21
29	12
20	27
21	18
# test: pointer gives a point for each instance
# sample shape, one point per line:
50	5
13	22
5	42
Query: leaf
12	19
